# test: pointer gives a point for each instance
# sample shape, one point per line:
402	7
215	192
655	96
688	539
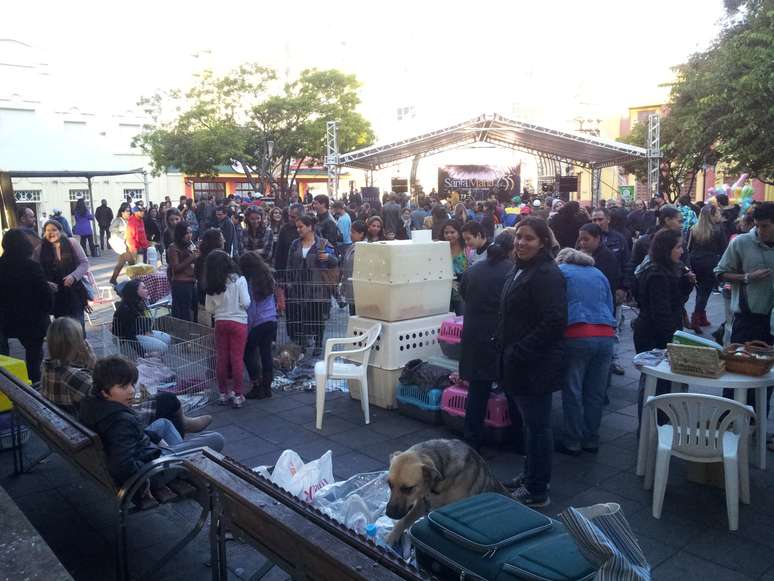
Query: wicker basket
754	358
698	361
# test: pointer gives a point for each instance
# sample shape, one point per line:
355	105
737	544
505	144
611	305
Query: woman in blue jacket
589	337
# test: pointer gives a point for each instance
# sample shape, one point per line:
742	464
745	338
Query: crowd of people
540	281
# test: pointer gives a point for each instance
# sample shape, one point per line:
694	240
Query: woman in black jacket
530	340
660	291
706	244
480	288
25	299
590	242
567	222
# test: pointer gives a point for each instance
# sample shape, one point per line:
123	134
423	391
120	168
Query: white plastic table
739	383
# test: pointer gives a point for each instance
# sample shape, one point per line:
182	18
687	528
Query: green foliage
722	105
222	120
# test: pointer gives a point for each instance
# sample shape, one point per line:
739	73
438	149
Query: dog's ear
430	473
394	454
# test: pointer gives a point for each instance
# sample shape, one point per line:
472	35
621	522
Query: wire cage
314	311
186	367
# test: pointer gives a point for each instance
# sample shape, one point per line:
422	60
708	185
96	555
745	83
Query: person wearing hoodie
136	240
26	299
128	444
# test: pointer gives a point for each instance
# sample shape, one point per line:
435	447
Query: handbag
605	538
117	244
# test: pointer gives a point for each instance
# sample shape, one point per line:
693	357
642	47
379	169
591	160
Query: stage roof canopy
564	146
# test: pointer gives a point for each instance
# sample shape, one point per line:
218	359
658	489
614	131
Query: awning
565	146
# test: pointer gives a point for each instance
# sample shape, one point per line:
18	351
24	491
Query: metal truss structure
654	153
551	146
332	156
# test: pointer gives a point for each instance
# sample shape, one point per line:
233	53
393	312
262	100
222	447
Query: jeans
583	396
183	299
259	340
104	234
703	267
538	440
230	339
156	342
88	239
165	429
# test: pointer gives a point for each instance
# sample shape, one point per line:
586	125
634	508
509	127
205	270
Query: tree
231	120
675	168
722	103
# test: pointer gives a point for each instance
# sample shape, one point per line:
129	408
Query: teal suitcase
491	537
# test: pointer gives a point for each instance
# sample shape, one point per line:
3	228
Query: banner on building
478	181
627	192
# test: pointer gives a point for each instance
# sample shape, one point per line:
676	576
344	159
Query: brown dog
431	474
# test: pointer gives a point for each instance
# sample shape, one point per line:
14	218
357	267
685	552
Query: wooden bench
289	533
83	449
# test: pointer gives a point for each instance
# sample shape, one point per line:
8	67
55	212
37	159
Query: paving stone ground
690	542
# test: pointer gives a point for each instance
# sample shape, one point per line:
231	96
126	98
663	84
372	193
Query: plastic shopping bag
300	479
605	538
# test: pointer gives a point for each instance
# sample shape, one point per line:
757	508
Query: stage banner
477	181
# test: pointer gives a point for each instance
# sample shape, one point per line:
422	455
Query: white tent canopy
563	146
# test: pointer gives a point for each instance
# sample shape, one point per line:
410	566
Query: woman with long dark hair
25	299
530	341
227	299
83	226
480	288
64	264
132	321
172	218
567	222
460	255
181	259
212	239
256	237
153	228
261	324
276	221
660	291
375	229
308	288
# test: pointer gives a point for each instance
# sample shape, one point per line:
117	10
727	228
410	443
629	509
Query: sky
548	61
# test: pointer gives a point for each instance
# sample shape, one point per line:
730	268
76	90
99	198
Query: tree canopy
231	120
721	106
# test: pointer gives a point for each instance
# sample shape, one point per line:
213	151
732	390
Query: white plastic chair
354	368
701	428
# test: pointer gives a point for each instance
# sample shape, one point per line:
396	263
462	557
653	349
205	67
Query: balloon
516	199
737	192
748	191
738	183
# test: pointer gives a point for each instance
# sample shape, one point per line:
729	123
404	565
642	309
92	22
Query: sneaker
225	398
518	482
616	369
563	449
238	401
525	497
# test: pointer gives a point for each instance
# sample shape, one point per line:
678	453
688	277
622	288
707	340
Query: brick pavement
691	541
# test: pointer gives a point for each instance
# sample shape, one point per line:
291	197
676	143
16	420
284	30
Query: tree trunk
248	175
295	173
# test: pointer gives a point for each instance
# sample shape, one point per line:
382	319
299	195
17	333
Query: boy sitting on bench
127	445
